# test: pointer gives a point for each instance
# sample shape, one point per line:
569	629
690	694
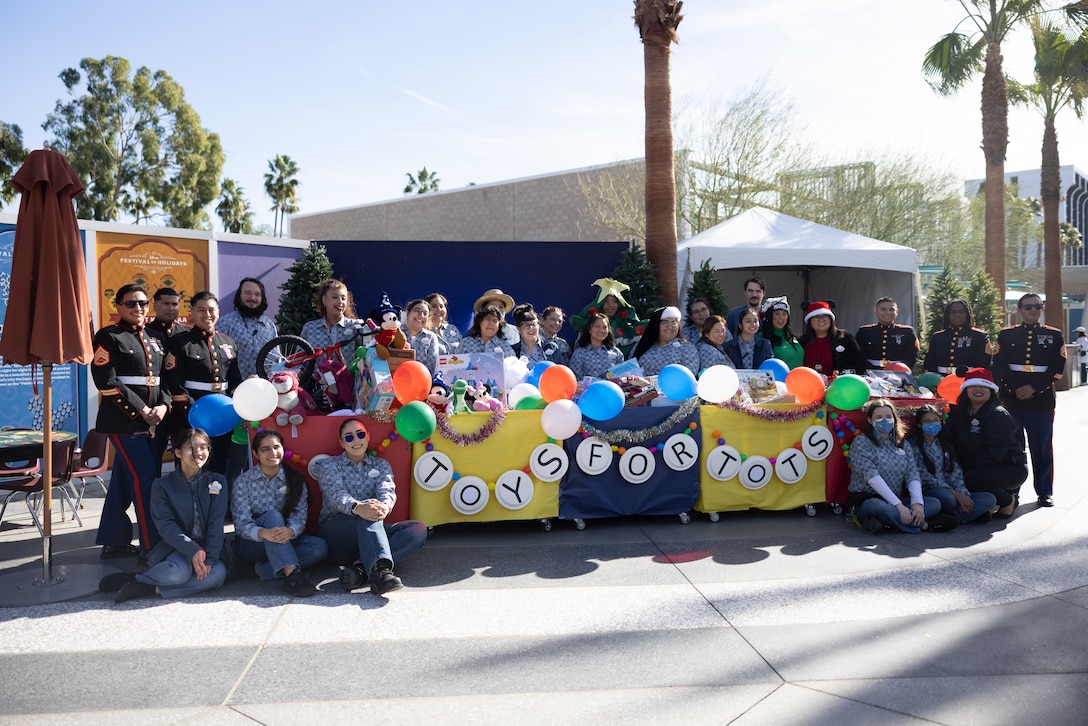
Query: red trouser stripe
137	494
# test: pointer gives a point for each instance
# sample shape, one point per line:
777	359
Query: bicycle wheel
286	352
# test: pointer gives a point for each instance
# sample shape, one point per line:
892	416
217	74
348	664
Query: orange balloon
557	383
897	366
949	388
805	384
411	382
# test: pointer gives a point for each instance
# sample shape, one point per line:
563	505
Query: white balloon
561	419
520	391
717	384
255	399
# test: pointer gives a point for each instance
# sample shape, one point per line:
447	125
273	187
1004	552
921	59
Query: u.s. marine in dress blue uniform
1032	355
884	344
954	347
127	370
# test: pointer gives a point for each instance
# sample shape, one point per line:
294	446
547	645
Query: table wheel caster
810	510
714	516
579	524
546	525
685	518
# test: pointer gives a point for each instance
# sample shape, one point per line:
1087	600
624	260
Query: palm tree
1061	81
281	185
425	181
657	21
234	209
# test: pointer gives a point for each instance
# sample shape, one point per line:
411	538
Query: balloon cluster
254	399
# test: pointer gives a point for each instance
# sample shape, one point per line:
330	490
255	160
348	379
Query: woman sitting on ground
663	344
485	335
882	474
449	337
422	341
942	477
828	350
776	328
188	506
596	350
744	348
269	503
712	338
987	441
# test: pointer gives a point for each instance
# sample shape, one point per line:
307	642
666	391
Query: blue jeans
889	515
354	539
983	502
134	469
271	557
174	577
1039	427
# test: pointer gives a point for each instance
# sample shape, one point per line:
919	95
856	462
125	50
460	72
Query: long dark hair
296	483
487	310
948	456
653	329
583	335
768	329
897	432
948	312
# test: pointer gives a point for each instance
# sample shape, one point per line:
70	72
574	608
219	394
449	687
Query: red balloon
805	384
949	388
557	383
897	366
411	382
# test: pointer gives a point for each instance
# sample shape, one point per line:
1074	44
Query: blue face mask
931	429
883	425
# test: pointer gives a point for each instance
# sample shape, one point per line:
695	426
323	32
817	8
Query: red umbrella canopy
49	312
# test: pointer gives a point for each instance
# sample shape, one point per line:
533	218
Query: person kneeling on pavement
269	503
188	506
358	493
882	473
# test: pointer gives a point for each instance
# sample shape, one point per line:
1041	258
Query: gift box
374	390
474	369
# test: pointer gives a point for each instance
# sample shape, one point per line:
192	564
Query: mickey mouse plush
390	335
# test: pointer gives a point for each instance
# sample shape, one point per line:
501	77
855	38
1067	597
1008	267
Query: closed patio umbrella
48	318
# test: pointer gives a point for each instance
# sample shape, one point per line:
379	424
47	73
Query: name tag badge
900	452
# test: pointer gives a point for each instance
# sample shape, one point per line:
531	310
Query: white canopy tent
804	261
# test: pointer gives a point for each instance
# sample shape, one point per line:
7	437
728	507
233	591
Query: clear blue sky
359	93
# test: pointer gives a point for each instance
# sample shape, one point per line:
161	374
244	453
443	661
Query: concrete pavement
762	617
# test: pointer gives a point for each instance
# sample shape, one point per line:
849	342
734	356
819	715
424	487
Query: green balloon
240	435
415	421
531	403
930	380
848	393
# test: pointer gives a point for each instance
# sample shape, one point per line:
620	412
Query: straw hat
494	294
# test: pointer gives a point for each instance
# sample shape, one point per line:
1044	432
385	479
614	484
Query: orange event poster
153	262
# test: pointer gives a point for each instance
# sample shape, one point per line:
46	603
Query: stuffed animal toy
483	400
439	397
291	400
458	401
390	335
337	382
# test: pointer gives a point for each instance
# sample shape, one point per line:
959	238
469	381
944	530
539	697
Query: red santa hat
818	308
978	377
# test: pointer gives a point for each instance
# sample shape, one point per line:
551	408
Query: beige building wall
550	207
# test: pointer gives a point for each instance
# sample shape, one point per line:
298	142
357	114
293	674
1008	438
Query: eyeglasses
351	436
420	311
670	323
527	325
198	448
1032	306
132	304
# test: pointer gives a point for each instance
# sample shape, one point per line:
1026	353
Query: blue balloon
534	374
676	382
777	367
601	401
214	413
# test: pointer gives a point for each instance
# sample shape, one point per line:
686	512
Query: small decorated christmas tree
297	301
635	270
704	284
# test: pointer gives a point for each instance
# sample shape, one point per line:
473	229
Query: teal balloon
538	369
930	380
777	367
531	403
415	421
214	413
848	393
601	401
676	382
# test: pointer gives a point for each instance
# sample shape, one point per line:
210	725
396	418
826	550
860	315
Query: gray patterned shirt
676	351
894	464
320	335
449	339
941	478
253	494
591	361
495	345
345	483
712	355
249	335
426	347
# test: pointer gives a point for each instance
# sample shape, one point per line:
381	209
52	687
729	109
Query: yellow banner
153	262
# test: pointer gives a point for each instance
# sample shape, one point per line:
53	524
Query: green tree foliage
281	185
987	304
234	210
136	143
297	301
946	288
424	181
704	284
12	154
635	270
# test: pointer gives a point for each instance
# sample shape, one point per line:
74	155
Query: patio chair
63	458
91	463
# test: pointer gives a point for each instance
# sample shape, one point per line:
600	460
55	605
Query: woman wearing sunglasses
358	493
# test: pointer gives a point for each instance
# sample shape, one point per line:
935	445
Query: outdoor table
27	445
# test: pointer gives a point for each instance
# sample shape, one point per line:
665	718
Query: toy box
374	390
474	369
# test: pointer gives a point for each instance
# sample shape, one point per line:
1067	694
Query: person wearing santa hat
828	350
988	442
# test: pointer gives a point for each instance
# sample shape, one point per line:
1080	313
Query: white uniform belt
1027	368
202	386
944	369
149	381
880	363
